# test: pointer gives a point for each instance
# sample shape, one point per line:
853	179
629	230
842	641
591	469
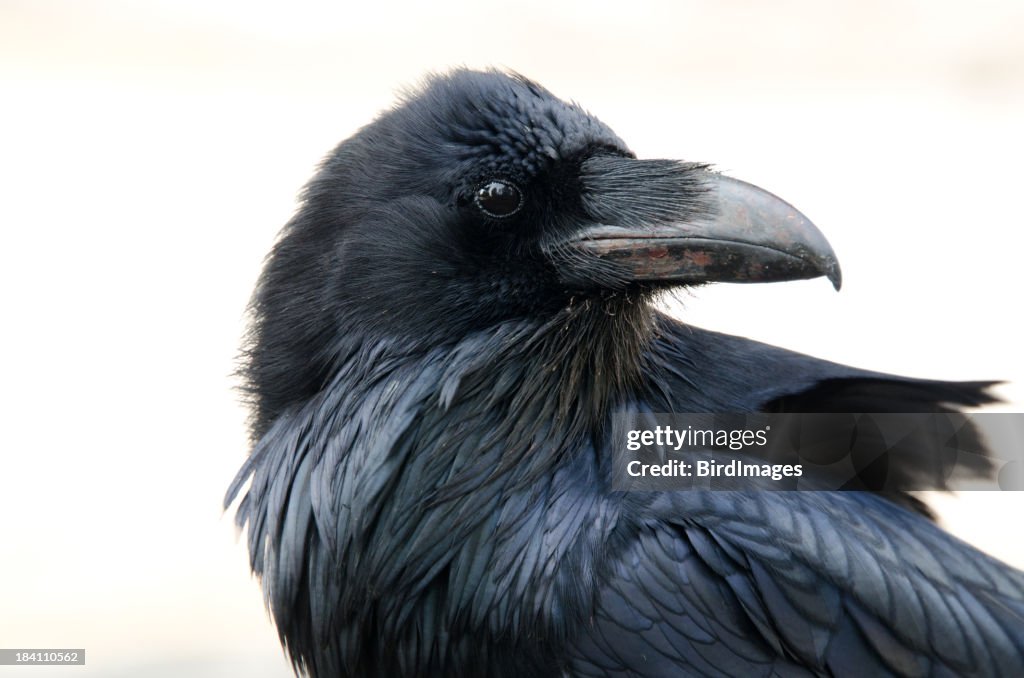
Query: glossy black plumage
432	389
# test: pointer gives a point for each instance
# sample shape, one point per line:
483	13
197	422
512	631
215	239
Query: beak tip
835	276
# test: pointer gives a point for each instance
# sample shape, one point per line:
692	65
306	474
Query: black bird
441	336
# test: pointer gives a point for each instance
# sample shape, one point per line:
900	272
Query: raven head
483	198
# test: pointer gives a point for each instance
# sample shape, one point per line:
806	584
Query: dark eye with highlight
498	198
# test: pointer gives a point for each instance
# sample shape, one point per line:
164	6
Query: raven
440	338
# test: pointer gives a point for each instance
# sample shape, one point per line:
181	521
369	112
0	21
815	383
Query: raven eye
499	199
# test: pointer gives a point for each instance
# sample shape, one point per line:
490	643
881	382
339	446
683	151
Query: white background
150	151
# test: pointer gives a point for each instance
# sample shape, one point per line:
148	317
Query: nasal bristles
628	192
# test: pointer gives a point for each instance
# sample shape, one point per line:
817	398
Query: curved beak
673	222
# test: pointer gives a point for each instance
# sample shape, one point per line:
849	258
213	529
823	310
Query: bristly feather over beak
674	222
